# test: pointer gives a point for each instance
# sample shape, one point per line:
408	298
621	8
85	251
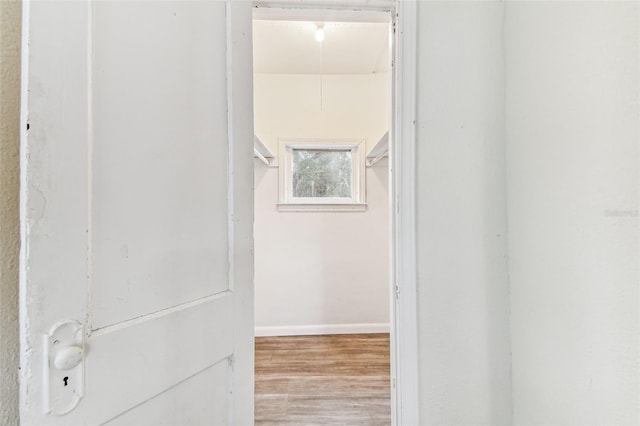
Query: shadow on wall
10	40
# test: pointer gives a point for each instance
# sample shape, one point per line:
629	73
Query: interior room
322	109
126	191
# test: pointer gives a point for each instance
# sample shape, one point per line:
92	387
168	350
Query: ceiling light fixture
319	33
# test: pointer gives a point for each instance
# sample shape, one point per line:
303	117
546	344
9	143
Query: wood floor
323	380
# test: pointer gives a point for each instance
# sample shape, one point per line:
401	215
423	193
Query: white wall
10	12
572	155
334	106
321	272
463	302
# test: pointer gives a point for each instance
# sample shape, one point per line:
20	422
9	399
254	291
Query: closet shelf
261	151
379	151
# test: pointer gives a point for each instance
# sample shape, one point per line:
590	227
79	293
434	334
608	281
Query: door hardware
64	367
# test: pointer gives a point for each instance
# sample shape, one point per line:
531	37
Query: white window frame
287	202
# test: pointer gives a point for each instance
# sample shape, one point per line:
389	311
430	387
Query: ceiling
290	47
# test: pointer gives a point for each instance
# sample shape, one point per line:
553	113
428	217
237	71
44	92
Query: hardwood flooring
323	380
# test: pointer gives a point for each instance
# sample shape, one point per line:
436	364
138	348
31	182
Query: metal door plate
63	388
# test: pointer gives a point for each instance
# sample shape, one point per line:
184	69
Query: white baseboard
306	330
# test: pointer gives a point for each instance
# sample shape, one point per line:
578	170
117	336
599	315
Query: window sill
307	207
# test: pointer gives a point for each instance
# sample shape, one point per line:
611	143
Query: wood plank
332	379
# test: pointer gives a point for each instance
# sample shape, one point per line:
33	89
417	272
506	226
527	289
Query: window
322	175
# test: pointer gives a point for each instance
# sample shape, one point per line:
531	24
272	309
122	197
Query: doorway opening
324	300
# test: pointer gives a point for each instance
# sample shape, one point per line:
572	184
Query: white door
137	212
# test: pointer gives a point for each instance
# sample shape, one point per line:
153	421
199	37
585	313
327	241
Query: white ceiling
289	47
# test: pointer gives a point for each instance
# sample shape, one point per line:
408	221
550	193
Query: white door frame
404	313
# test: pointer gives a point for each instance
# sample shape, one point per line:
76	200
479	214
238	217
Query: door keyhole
65	380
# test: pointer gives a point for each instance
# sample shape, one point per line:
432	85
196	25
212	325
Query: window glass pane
321	173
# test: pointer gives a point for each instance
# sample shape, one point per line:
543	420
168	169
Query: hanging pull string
320	38
321	73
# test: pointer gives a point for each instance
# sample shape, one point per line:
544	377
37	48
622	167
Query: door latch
64	367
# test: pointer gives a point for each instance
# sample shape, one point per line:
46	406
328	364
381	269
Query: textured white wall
573	185
463	296
10	12
321	268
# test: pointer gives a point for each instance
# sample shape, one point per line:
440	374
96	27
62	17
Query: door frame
402	153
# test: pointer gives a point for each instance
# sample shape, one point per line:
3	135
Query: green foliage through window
321	173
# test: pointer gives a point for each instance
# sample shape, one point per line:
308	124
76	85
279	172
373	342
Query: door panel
122	366
160	212
195	401
137	211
